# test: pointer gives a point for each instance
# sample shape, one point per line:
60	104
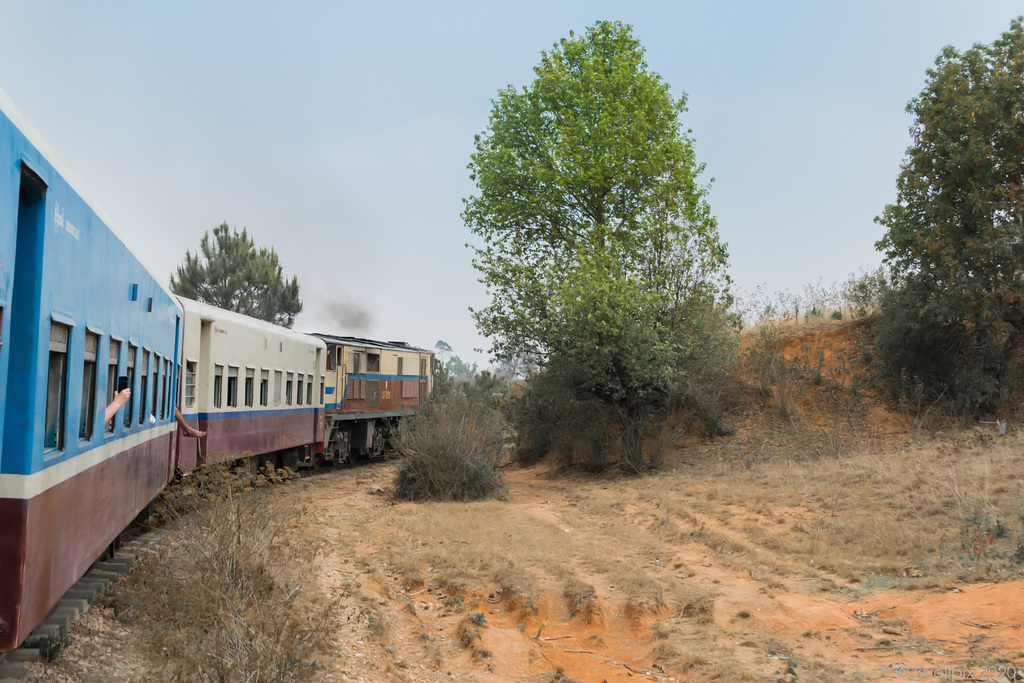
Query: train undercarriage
348	439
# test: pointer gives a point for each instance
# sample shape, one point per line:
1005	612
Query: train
81	314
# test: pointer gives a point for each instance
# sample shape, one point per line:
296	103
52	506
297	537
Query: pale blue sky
339	132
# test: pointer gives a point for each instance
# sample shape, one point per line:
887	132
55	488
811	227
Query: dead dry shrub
452	451
581	601
222	599
700	610
518	589
644	594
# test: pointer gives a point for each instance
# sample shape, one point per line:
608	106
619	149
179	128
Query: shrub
863	293
556	411
923	358
452	451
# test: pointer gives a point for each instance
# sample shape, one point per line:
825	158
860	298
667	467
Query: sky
339	132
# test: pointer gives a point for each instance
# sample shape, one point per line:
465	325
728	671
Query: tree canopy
596	239
959	216
231	273
589	157
955	237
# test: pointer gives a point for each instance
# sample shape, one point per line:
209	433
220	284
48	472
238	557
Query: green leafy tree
231	273
485	387
955	238
454	368
596	235
459	368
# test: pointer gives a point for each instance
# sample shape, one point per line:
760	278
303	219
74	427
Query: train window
156	385
264	387
341	356
163	392
57	386
298	390
309	392
355	362
113	356
87	414
400	359
232	387
190	383
288	390
373	362
277	388
249	380
321	390
129	407
218	379
144	377
423	367
331	357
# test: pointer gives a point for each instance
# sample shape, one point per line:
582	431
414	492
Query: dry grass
224	598
945	511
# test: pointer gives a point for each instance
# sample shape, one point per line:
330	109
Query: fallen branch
971	622
976	625
903	646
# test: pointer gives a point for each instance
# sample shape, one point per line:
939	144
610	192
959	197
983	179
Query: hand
120	398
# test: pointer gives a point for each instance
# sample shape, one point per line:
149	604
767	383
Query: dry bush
222	599
581	601
858	296
518	589
453	448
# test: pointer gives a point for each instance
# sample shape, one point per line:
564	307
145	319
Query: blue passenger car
78	311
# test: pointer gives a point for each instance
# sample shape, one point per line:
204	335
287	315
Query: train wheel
291	460
379	437
340	452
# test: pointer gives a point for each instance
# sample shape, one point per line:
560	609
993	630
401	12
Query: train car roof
35	138
370	343
214	313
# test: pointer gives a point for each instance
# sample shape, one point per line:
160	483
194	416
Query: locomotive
73	293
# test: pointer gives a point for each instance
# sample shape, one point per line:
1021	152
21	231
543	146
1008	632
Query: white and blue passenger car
78	311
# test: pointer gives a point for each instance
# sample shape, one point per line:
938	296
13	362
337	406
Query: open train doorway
24	329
